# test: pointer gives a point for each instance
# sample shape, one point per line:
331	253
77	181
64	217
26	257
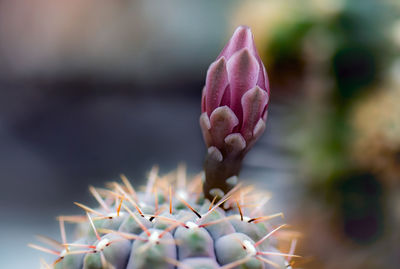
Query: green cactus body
160	228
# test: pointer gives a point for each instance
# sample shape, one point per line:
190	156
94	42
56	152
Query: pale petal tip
205	121
224	114
243	32
236	142
259	128
215	154
233	180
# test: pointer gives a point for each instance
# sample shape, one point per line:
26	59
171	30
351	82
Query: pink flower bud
235	97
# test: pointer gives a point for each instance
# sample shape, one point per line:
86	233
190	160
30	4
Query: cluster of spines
149	219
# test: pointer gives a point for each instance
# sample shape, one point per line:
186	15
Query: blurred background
91	89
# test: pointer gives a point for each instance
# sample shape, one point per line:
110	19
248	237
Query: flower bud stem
217	174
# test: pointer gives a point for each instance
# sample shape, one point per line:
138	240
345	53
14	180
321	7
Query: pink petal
263	81
241	38
222	121
253	102
243	70
265	113
226	99
216	82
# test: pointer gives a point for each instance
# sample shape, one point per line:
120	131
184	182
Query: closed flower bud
235	97
234	106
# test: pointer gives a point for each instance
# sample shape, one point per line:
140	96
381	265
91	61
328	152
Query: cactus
172	223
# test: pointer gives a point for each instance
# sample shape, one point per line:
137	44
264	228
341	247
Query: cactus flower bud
234	108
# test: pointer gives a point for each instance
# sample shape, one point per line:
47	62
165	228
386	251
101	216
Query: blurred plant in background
335	64
376	139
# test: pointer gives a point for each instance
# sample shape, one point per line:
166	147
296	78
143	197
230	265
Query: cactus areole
234	110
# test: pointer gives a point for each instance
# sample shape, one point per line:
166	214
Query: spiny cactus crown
171	225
